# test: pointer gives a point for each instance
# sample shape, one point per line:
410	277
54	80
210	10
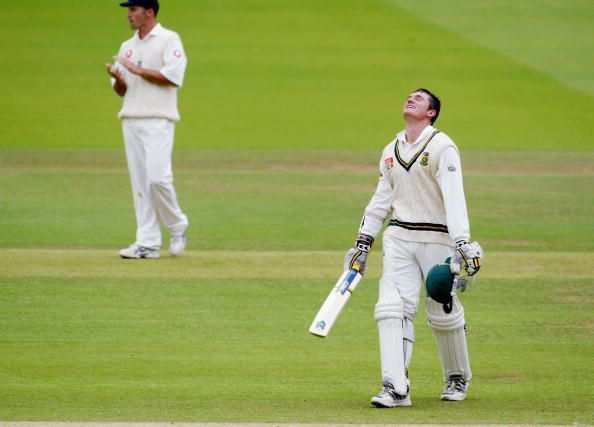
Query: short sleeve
175	62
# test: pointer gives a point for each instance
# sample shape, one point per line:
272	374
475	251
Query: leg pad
389	316
449	330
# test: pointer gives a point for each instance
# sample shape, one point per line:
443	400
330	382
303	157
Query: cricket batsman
420	192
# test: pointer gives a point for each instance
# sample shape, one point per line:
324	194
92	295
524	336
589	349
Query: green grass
285	109
88	336
295	74
548	36
138	347
286	200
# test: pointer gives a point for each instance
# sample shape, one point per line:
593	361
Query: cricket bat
335	302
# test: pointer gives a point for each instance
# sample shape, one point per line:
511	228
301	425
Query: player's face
137	16
417	106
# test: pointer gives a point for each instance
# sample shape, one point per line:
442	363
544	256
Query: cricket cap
147	4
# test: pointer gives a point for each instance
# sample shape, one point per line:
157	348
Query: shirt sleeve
175	62
380	205
449	176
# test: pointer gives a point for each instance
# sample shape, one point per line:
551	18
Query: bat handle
454	285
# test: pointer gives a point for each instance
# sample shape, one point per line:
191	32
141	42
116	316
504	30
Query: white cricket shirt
420	190
160	50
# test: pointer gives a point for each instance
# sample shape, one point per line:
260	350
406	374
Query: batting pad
389	324
451	338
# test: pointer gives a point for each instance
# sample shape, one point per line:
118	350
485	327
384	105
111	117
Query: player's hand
129	65
120	83
113	71
357	257
469	254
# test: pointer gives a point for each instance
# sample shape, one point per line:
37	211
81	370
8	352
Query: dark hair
434	102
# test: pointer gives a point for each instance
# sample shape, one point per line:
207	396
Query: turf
285	109
95	339
286	200
87	336
548	36
308	74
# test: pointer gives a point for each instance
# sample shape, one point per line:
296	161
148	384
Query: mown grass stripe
264	264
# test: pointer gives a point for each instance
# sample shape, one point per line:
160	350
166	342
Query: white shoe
137	251
455	389
388	398
177	243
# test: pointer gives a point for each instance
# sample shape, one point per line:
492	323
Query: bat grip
454	285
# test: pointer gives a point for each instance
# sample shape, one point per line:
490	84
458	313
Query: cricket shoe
137	251
455	389
177	243
388	398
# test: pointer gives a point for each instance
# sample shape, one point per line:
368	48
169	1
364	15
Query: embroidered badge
177	53
425	159
128	53
389	162
452	168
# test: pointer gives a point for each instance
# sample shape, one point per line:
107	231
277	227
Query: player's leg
449	330
148	234
395	329
160	176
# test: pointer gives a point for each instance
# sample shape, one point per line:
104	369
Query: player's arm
449	176
153	76
450	181
172	72
373	219
118	82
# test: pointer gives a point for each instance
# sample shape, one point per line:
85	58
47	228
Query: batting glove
471	254
357	257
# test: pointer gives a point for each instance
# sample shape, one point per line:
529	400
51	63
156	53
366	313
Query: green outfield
285	109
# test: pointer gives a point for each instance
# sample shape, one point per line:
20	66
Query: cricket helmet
439	283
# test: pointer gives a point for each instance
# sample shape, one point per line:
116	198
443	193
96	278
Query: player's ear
431	113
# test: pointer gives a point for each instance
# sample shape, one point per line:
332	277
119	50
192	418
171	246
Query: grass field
285	110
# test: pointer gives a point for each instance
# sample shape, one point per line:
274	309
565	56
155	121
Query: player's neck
414	130
146	28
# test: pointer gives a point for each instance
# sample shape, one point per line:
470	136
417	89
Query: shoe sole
140	257
453	398
399	404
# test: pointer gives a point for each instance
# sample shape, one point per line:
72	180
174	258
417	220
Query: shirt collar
426	132
157	30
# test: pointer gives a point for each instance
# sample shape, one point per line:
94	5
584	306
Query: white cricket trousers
405	267
149	145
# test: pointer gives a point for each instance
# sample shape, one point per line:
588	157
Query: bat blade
334	303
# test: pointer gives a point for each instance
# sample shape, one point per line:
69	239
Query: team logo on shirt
128	53
177	53
425	159
389	162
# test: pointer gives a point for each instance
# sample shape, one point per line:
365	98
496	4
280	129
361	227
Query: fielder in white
148	71
420	191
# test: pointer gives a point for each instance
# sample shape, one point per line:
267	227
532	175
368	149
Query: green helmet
440	281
